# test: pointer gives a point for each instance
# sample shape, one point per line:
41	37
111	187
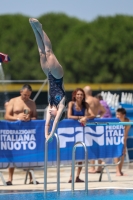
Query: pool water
101	194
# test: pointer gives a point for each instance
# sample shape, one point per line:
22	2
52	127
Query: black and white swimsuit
56	92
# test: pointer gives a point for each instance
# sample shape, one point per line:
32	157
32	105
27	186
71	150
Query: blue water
108	194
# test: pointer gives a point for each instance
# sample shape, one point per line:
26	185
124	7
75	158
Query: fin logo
76	134
70	134
97	136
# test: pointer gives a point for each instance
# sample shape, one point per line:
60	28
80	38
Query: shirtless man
20	108
121	115
95	108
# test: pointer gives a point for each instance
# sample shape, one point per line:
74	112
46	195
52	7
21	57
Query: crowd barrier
23	143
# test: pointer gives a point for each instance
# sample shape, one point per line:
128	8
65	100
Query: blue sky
86	10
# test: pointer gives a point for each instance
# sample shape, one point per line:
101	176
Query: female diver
53	70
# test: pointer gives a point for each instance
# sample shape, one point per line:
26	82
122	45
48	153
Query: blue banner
24	141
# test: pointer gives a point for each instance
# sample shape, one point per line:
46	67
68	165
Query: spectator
105	105
15	111
78	109
95	108
121	115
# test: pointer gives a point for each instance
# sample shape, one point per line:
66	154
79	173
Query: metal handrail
109	123
86	164
45	166
40	90
21	81
58	164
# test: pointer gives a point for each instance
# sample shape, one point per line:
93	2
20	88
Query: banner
21	141
24	141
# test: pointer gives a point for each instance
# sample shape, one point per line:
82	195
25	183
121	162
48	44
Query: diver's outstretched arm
57	119
47	123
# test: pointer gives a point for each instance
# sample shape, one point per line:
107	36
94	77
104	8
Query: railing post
86	168
58	164
45	166
86	165
73	166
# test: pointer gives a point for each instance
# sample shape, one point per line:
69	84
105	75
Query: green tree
97	52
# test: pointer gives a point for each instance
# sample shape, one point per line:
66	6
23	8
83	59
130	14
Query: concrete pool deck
122	182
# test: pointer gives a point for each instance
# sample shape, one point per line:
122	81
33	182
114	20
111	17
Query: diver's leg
35	24
40	44
41	49
47	58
